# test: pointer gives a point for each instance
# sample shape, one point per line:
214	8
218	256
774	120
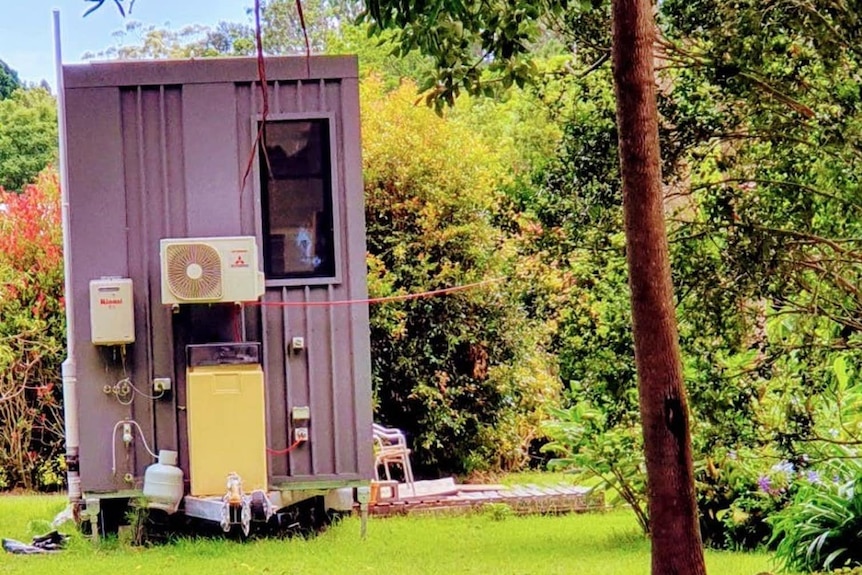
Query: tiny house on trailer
214	365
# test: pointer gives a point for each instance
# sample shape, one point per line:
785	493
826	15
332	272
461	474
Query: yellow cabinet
227	429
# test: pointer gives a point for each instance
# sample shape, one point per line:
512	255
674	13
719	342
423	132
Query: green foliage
138	41
376	55
32	335
474	48
9	81
596	348
326	21
596	449
760	136
741	491
775	178
760	141
282	28
28	136
519	126
573	220
466	374
820	529
736	492
498	511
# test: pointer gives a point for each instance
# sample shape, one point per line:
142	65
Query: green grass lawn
478	544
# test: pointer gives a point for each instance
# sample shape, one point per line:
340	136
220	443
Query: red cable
305	35
284	451
261	72
373	300
237	324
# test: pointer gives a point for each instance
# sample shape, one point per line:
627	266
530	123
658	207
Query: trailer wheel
303	519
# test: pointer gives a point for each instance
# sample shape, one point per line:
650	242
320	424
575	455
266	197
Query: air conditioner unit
210	270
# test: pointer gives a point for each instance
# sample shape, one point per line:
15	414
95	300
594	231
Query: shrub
592	449
466	375
821	528
737	492
32	335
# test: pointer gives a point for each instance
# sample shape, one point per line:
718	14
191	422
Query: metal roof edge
207	70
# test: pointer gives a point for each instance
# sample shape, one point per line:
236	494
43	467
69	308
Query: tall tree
28	136
664	411
9	81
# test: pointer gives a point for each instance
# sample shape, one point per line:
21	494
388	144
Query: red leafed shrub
31	236
32	335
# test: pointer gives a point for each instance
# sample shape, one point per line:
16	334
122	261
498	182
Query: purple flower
813	477
784	467
764	484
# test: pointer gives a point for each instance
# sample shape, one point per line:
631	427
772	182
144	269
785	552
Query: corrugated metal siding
154	161
95	168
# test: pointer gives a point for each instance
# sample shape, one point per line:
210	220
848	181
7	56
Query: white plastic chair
390	447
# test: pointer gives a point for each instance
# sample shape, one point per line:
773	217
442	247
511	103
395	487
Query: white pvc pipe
70	375
70	408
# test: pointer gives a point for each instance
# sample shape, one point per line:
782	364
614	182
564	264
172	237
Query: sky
26	28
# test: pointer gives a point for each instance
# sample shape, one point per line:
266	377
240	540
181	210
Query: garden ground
492	543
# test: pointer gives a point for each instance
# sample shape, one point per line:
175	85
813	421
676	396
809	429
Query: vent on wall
210	270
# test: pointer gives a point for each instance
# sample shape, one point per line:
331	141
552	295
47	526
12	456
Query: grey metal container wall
158	150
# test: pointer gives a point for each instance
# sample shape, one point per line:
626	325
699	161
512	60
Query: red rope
237	324
264	94
374	300
260	143
293	446
305	35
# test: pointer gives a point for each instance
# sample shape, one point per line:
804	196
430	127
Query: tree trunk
676	544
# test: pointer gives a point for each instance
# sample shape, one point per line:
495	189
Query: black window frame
331	273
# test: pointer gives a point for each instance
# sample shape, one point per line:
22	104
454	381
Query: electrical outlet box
161	384
297	344
301	413
300	434
112	312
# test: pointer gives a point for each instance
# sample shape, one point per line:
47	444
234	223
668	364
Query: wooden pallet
522	500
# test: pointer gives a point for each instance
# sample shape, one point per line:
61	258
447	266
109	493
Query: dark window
296	194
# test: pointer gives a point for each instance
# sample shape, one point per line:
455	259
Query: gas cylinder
163	483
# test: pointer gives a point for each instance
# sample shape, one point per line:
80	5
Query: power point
161	384
300	434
